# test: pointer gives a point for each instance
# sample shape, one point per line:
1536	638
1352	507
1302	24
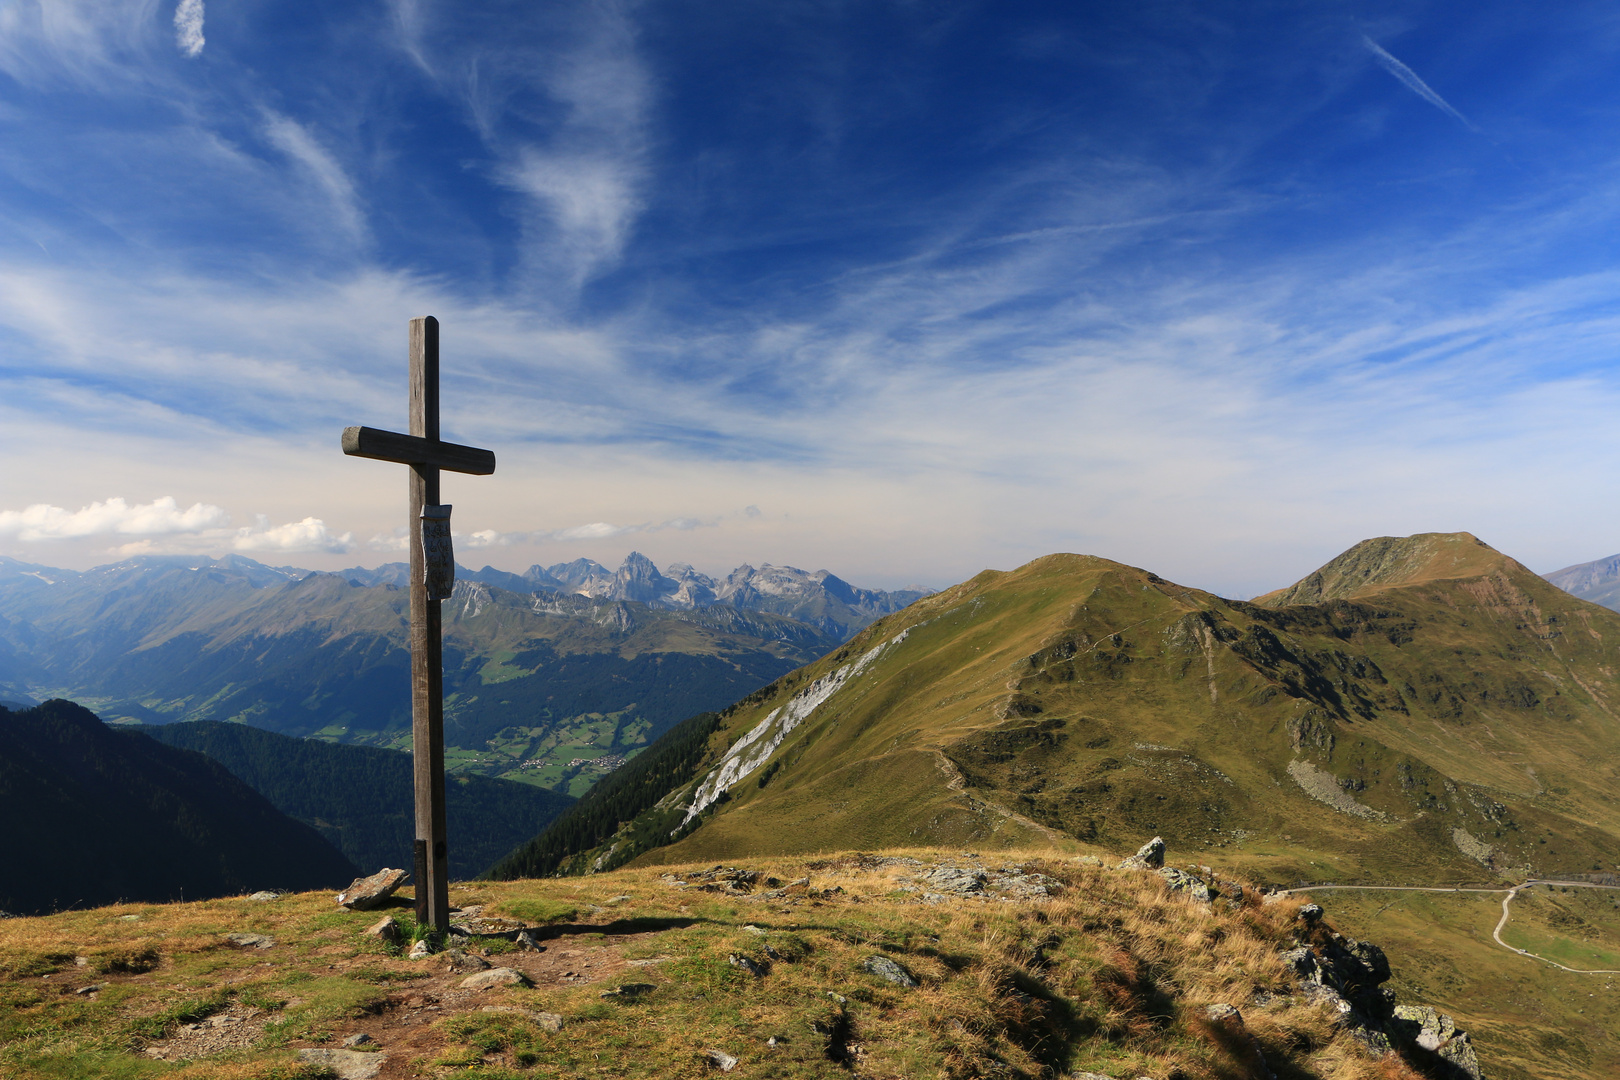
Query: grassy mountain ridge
1436	713
95	815
1019	967
359	797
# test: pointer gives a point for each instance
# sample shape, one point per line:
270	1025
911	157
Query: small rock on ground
494	977
748	965
266	894
358	1039
629	990
721	1060
347	1064
386	929
251	941
464	962
885	968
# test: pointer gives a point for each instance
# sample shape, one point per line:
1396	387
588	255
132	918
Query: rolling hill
1421	709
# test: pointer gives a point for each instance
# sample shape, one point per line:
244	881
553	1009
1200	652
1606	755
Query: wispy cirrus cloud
1410	80
298	143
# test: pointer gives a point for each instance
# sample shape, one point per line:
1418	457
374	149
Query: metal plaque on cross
438	558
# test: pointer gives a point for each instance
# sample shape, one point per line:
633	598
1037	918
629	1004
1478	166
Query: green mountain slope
1418	710
359	797
94	815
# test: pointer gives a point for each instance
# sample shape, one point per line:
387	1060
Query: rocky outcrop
1150	856
1339	973
1347	977
1432	1033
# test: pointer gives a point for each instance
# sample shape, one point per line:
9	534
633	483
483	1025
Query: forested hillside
94	815
359	797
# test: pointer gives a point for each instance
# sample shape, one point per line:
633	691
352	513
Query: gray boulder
1150	856
365	893
494	977
1183	882
885	968
721	1060
250	941
345	1064
958	880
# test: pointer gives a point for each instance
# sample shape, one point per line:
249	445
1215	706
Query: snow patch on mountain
755	748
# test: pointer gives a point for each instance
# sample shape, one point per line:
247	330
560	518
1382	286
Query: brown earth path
1496	934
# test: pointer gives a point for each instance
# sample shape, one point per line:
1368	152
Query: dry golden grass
1111	975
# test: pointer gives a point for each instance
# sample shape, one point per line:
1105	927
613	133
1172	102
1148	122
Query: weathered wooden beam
382	445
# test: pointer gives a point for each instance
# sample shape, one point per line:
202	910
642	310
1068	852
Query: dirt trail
1496	934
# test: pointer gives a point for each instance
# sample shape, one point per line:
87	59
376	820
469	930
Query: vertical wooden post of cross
427	646
432	569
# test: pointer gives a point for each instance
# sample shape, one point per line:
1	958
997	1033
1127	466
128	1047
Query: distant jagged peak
1389	562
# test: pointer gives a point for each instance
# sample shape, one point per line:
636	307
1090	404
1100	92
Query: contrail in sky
1413	83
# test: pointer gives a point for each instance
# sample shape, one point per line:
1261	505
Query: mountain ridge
1449	717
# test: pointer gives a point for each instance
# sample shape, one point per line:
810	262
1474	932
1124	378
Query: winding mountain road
1496	934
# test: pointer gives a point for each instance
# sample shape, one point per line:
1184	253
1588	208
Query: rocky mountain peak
1387	562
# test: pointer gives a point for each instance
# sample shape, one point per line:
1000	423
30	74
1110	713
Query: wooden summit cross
433	573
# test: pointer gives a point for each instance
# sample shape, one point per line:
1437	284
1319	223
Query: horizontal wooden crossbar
413	450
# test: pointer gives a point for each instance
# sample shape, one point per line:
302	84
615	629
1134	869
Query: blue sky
901	290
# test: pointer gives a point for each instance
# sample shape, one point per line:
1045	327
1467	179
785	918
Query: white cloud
308	535
590	201
1410	79
163	525
294	140
188	27
114	516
